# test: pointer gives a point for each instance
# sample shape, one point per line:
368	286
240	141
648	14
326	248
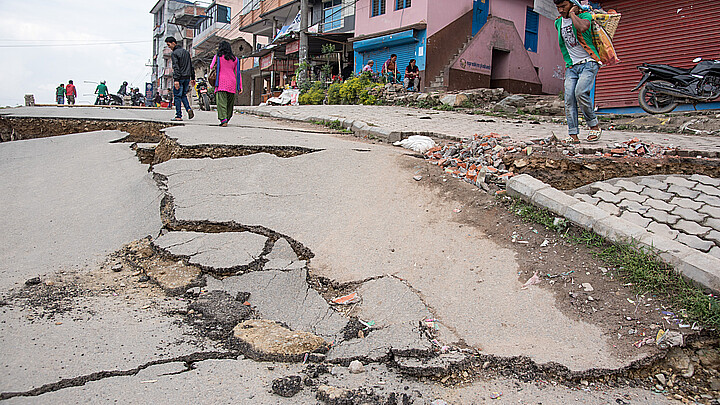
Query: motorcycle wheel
654	102
205	100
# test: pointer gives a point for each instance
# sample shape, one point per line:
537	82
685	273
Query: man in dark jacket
183	76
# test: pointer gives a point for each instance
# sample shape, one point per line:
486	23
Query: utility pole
303	52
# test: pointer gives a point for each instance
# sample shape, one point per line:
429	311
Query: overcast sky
44	43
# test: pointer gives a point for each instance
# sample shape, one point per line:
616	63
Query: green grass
336	125
444	107
643	269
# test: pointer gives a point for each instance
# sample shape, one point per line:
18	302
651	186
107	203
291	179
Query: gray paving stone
659	205
709	199
524	186
599	185
653	183
686	203
662	230
585	215
661	216
657	194
633	206
688	214
683	191
702	268
710	210
607	196
632	196
701	178
713	236
553	199
691	228
618	230
629	186
670	251
695	242
587	198
711	190
681	181
713	223
635	218
715	252
611	209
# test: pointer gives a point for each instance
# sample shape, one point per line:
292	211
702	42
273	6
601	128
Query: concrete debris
587	287
220	307
433	366
332	395
33	281
635	148
479	159
356	367
287	386
267	340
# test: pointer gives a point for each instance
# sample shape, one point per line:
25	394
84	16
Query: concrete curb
697	266
359	128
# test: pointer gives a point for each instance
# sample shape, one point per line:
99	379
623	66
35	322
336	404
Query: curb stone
702	268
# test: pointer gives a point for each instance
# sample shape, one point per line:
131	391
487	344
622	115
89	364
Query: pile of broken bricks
635	148
478	160
695	265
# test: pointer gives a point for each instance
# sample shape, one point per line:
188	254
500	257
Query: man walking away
582	65
183	77
70	92
60	94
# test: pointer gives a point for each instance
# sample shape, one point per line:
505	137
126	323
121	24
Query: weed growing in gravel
336	125
643	269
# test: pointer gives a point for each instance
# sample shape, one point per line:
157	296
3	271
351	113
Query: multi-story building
462	44
171	18
276	23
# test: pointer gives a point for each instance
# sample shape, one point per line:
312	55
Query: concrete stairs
438	84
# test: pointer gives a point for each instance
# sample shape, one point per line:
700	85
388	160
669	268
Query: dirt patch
17	128
567	173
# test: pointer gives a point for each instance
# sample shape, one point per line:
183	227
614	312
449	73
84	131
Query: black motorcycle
137	99
110	99
665	86
203	97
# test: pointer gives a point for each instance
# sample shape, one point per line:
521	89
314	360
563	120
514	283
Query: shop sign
266	61
292	47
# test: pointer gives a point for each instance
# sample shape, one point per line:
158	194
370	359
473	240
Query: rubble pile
478	160
635	148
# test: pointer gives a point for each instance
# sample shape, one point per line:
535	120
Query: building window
378	8
401	4
216	13
532	24
332	15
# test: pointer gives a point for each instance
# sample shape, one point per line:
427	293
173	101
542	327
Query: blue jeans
61	99
181	97
579	81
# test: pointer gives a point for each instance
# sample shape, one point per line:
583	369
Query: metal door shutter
404	52
672	32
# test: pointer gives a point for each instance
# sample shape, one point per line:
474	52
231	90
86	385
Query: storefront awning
399	38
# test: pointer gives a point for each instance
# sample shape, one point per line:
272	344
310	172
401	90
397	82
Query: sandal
570	141
176	119
594	135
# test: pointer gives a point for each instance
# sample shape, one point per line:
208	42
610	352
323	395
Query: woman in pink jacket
228	81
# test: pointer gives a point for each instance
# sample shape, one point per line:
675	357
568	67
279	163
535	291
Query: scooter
663	87
203	97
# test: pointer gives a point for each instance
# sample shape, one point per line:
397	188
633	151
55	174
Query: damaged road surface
323	275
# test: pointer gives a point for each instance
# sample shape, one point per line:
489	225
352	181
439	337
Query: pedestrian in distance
581	67
60	94
369	67
70	92
102	91
412	76
183	77
390	71
228	81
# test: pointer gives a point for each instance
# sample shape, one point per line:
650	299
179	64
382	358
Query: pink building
462	44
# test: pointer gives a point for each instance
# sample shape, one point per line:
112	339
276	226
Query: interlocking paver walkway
453	124
685	212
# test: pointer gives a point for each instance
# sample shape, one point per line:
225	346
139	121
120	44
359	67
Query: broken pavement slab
283	257
226	252
266	340
286	297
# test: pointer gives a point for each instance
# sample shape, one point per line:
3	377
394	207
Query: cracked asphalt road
353	204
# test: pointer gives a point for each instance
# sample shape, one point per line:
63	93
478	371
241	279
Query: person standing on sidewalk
582	65
60	94
228	81
183	77
70	92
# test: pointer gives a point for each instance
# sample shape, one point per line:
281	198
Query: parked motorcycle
137	99
203	97
663	87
